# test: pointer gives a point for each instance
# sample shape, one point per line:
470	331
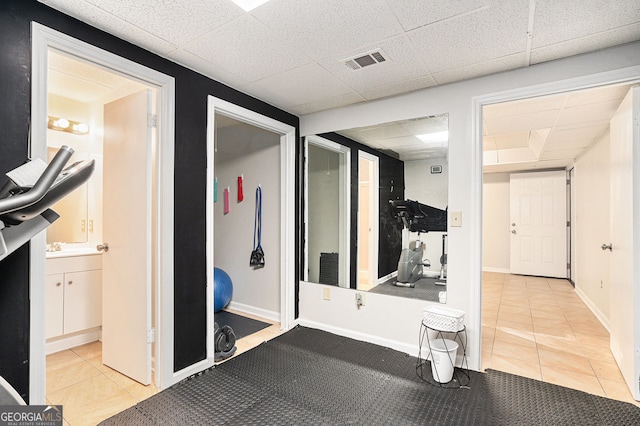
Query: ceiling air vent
364	60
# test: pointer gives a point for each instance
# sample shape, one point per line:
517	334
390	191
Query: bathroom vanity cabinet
74	294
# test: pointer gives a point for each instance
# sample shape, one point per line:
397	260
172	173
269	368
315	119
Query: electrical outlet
326	295
455	218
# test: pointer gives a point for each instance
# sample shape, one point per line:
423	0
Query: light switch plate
455	218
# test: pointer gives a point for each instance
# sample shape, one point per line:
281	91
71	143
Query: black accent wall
391	187
192	90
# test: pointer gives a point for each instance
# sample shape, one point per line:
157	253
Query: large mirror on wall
375	211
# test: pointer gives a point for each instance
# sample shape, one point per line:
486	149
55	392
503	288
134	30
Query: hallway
539	328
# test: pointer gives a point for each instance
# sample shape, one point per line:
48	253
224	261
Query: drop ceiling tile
493	32
589	131
112	24
177	21
511	140
81	70
560	21
565	144
406	86
587	113
489	144
245	46
400	142
308	83
402	63
561	154
204	67
421	126
525	122
413	14
586	44
324	28
326	103
525	106
599	94
74	88
491	66
378	133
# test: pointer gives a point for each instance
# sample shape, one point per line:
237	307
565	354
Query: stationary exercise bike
31	189
420	218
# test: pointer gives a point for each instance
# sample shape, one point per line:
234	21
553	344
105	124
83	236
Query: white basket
443	319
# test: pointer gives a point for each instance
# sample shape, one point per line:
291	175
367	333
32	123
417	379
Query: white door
127	230
367	221
538	204
625	222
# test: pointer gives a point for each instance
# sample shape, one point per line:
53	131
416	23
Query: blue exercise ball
222	289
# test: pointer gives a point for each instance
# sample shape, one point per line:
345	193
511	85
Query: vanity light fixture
63	125
249	5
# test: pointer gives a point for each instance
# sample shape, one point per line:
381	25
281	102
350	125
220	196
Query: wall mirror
376	208
326	217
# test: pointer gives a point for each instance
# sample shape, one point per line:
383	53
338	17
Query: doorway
284	265
368	200
579	339
159	189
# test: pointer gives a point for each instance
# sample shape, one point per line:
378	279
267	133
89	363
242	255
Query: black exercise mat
309	376
424	289
242	326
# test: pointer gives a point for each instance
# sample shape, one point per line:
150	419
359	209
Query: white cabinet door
55	305
82	300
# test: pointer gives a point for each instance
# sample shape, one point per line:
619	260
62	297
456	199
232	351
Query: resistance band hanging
257	255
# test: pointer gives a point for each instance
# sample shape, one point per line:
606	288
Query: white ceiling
290	53
547	132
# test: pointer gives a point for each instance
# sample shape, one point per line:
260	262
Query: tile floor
539	328
90	392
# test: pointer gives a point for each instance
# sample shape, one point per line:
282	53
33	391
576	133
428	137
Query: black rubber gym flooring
310	377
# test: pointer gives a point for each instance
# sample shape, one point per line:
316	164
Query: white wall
591	183
495	224
254	153
461	101
430	189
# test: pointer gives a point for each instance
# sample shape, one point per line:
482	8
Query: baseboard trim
62	343
252	310
593	308
387	277
363	337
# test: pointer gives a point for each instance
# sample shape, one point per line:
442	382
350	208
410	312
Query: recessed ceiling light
249	5
434	138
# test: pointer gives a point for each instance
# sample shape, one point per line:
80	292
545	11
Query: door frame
44	38
344	227
287	210
374	207
627	75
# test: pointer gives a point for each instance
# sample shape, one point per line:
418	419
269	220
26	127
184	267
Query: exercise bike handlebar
39	190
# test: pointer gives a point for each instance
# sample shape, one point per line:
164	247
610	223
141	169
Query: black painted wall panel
190	176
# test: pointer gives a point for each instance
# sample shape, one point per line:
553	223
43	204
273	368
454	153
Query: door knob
513	231
607	247
103	247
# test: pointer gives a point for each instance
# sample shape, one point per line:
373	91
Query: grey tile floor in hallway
539	328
